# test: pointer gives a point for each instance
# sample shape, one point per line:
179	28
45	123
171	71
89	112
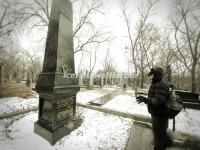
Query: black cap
157	71
151	72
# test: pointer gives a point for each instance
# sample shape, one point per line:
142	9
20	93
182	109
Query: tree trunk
101	82
1	74
142	79
80	80
193	79
135	84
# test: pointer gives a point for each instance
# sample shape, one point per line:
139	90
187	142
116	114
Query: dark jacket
158	95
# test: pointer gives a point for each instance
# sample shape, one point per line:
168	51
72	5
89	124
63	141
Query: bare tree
144	14
147	46
39	11
198	77
186	21
85	32
108	66
8	16
92	66
11	59
84	13
34	65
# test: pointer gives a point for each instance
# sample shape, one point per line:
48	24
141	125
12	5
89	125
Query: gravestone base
53	136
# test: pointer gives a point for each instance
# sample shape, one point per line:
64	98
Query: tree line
176	44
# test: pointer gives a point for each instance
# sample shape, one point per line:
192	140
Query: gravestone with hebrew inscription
57	84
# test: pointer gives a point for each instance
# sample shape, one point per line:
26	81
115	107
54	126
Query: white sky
112	20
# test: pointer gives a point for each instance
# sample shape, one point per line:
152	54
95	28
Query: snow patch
12	104
98	131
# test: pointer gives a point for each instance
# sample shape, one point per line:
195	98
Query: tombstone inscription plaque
57	94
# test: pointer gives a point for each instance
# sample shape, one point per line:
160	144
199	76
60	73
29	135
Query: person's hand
141	99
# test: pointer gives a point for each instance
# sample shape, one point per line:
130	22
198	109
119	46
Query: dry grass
11	88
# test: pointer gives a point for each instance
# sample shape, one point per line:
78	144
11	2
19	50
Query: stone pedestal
57	84
53	136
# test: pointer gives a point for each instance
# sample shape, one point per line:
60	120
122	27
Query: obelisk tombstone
57	84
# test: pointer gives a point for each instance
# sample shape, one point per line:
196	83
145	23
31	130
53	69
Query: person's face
150	77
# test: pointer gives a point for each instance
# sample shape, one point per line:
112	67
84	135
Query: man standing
158	96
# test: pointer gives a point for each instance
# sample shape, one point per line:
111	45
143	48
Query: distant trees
150	45
186	21
86	34
33	63
11	59
37	13
108	67
9	20
176	45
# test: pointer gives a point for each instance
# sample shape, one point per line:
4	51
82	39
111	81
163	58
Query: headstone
57	84
80	80
121	79
1	74
90	84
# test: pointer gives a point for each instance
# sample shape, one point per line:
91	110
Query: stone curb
18	112
117	113
181	140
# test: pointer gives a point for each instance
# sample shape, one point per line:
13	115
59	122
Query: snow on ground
98	131
127	103
12	104
110	88
187	121
84	97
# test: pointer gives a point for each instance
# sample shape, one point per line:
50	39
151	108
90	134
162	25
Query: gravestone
57	84
102	79
81	80
1	73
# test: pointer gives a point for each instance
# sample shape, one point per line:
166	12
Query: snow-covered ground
98	131
127	103
84	97
12	104
111	88
188	121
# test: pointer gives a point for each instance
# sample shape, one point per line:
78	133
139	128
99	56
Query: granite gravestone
57	91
